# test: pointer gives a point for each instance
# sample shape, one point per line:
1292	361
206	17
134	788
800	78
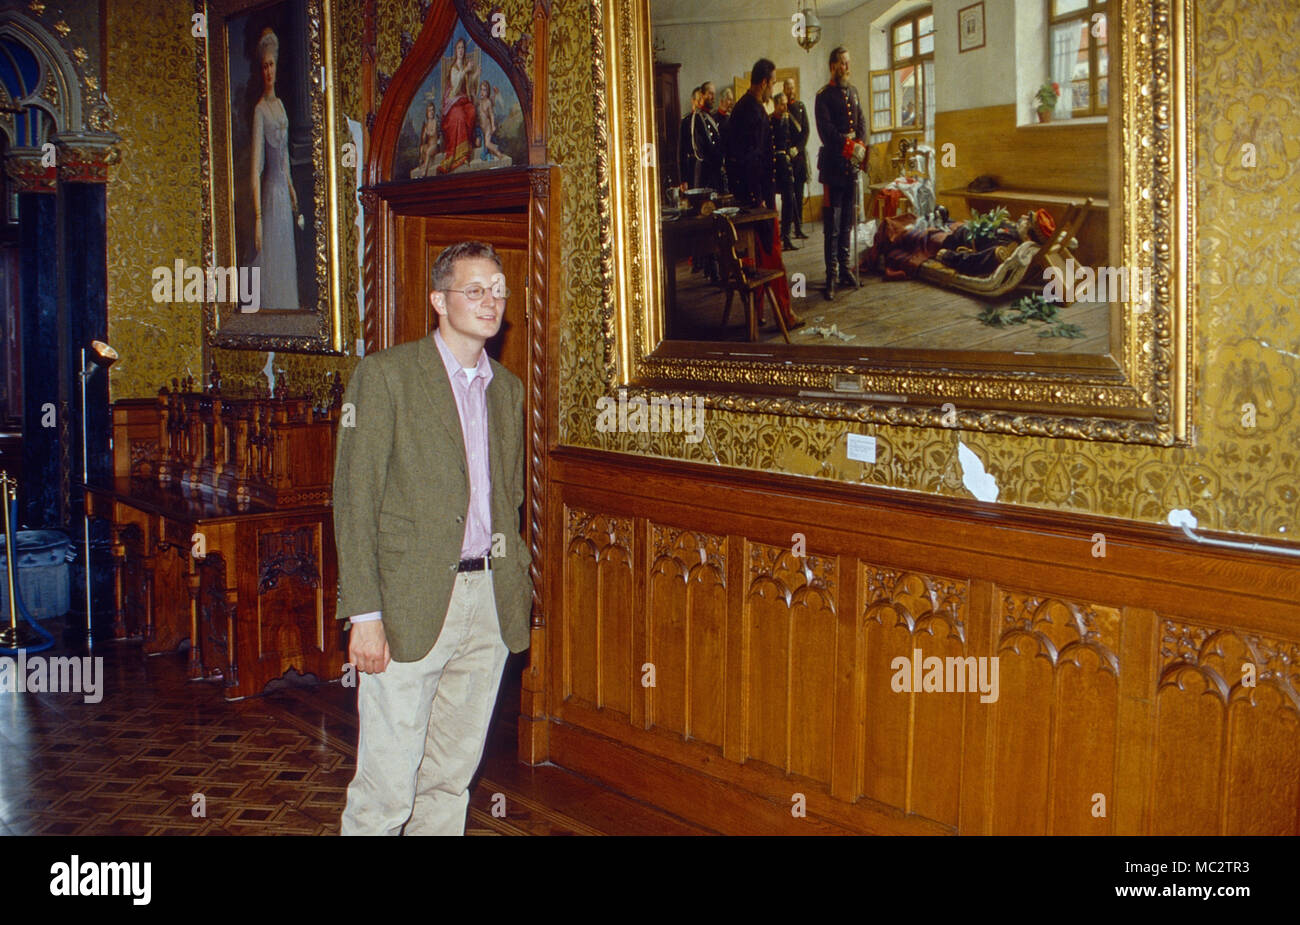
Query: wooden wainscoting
1123	697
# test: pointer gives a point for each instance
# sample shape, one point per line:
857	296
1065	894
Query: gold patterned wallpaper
154	200
153	193
1234	478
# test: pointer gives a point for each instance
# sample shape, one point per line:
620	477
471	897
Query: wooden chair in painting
735	278
1058	250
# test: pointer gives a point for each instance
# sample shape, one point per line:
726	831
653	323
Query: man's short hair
778	98
445	266
763	69
839	51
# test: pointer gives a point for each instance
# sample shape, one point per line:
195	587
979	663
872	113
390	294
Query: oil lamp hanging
807	25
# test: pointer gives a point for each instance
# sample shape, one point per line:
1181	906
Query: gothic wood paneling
1232	697
908	744
686	633
1150	689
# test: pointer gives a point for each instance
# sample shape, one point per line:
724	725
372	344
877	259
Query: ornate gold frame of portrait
1136	392
314	328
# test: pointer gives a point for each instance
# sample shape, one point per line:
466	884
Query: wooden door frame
526	192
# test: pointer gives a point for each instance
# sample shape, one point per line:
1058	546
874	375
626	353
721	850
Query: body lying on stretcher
989	261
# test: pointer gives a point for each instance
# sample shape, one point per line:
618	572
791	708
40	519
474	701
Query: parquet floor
162	755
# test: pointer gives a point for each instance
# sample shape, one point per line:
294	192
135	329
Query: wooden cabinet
252	590
223	534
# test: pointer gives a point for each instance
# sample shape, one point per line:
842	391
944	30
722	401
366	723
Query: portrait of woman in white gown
275	203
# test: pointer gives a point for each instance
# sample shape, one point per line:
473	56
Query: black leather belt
477	564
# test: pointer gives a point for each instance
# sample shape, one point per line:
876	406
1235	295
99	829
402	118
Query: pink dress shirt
469	386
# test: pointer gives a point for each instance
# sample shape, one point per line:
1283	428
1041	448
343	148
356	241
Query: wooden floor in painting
273	765
882	313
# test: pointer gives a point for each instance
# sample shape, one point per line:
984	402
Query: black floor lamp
100	356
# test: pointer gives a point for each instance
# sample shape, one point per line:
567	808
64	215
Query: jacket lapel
433	378
498	409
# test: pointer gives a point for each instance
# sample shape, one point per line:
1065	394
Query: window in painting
911	62
1078	56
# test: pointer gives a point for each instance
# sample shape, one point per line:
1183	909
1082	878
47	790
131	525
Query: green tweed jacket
401	494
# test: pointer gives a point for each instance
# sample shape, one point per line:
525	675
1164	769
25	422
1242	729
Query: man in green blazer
433	574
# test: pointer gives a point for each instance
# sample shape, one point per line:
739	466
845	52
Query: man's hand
368	647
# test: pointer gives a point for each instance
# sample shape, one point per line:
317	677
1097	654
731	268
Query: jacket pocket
390	558
394	544
395	524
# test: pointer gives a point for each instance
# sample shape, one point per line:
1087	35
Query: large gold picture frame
1137	392
306	84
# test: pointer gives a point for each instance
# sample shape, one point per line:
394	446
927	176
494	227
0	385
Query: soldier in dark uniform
685	146
801	128
726	100
708	145
751	169
783	143
839	117
750	158
706	141
700	156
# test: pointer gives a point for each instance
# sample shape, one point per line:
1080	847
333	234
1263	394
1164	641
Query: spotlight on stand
99	356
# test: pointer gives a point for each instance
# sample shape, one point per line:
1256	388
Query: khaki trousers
424	724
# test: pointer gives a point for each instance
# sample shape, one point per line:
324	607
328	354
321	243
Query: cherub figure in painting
430	139
487	120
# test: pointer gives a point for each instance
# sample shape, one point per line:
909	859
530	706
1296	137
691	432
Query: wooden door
407	227
419	239
668	117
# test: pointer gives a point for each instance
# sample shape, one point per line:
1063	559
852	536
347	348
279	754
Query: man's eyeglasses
475	293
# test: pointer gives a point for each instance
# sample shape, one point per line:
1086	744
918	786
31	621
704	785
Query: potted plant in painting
1047	96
